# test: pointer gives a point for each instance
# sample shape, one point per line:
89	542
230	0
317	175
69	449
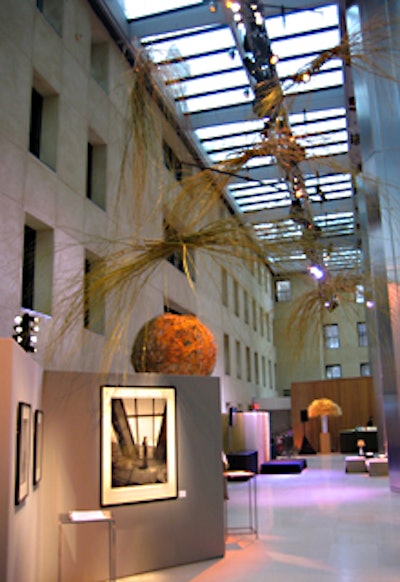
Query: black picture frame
23	444
138	444
37	447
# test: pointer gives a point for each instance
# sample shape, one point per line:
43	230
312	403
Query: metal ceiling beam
317	209
321	99
175	20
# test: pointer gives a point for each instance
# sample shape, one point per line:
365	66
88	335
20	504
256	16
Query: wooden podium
324	443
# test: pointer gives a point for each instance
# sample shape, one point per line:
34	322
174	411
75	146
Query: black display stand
306	448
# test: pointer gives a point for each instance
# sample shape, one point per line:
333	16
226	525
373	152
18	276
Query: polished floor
321	525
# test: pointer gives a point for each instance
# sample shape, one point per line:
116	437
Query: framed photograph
138	444
22	452
37	446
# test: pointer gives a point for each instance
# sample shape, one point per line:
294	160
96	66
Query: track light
273	59
317	272
212	6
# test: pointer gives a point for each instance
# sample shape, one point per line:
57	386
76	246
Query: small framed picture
138	444
22	452
37	446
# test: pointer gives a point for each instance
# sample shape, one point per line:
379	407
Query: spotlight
234	6
273	59
332	303
316	272
26	327
305	77
212	6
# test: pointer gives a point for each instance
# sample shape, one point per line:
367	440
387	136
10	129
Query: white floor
316	526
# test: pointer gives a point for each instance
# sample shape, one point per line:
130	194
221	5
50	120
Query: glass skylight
205	74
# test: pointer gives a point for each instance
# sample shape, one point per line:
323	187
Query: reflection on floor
316	526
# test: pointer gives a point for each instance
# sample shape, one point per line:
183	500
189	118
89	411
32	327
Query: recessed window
261	321
365	369
256	368
360	298
283	290
255	315
93	296
184	263
270	374
263	371
246	306
236	297
331	335
238	361
227	355
248	364
44	125
224	287
96	173
99	63
172	162
37	268
52	12
333	371
362	334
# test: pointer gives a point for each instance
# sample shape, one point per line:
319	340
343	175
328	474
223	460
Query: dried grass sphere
174	344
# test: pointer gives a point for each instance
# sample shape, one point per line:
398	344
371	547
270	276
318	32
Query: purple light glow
317	272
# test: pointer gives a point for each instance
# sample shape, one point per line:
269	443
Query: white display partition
149	536
20	381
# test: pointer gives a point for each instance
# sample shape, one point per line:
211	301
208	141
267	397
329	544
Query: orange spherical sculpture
174	344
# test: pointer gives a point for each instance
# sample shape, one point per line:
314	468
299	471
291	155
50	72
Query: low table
377	467
283	466
355	464
243	461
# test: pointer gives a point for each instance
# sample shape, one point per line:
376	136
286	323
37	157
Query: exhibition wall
151	535
21	381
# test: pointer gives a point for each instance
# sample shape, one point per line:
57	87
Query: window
96	172
283	291
261	321
331	334
333	371
44	125
263	371
52	11
37	268
236	297
255	315
267	325
360	294
172	162
248	364
256	369
246	306
224	287
99	63
365	369
227	355
362	335
93	296
270	378
238	361
186	266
